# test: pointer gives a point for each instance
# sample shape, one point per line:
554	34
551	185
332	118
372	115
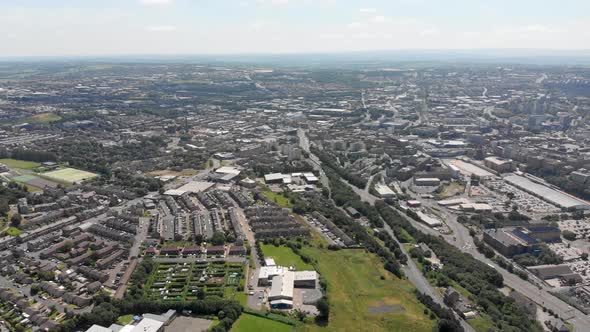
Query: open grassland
43	118
278	198
365	297
284	256
22	164
69	175
482	323
251	323
124	320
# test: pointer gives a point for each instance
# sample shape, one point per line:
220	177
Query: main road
411	270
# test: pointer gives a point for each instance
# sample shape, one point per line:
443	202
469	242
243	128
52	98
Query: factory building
499	165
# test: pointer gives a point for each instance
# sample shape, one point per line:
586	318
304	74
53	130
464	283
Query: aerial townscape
169	196
221	175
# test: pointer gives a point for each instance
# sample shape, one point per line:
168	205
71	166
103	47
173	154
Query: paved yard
186	324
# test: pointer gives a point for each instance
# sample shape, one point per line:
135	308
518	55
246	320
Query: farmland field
69	175
251	323
284	256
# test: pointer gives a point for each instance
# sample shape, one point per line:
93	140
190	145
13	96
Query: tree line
476	277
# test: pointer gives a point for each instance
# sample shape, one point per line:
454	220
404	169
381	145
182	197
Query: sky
169	27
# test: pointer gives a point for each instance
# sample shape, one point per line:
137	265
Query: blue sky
109	27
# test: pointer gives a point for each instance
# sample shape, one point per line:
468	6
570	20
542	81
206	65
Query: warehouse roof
384	190
191	187
148	325
551	195
282	286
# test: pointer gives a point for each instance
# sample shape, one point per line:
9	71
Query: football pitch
70	175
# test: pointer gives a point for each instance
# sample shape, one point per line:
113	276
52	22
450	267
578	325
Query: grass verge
251	323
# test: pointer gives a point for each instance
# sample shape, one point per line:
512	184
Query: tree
218	238
35	289
568	235
198	238
324	309
15	220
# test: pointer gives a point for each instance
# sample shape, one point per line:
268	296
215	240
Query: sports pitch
69	175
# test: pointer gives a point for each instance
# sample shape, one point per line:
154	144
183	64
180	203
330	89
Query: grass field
251	323
24	178
12	231
365	297
482	324
124	320
13	163
284	256
278	198
69	175
43	118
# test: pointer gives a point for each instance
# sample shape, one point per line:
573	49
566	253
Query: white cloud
156	2
161	28
379	19
368	10
273	2
538	28
429	32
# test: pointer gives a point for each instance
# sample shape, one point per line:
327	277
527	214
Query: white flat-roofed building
266	274
476	207
273	177
305	279
553	196
310	178
430	182
453	201
384	191
148	325
277	178
191	187
429	220
455	171
282	287
228	170
98	328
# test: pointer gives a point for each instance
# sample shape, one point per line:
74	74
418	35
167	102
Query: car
251	293
260	296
